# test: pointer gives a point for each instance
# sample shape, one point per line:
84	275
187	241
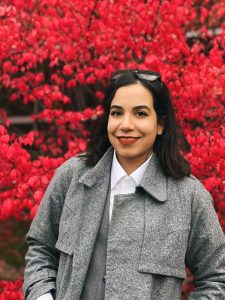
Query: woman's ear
160	130
160	126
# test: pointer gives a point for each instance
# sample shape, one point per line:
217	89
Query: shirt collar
117	172
153	182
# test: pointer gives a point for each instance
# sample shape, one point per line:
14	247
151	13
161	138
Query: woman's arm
42	256
206	249
41	270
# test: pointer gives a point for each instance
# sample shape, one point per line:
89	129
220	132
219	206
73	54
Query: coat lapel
154	181
95	187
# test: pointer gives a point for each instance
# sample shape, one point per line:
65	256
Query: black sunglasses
145	75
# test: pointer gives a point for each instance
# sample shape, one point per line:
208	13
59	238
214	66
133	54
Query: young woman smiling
123	220
133	126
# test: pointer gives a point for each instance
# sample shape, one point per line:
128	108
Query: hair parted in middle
168	147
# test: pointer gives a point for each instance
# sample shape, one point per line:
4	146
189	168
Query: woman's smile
127	140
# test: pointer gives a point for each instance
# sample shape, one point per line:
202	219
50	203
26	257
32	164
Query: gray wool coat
165	225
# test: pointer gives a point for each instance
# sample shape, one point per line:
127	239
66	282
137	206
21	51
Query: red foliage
52	49
11	290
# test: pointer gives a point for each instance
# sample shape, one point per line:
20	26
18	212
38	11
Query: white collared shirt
121	183
47	296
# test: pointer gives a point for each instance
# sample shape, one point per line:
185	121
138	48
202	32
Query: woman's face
132	125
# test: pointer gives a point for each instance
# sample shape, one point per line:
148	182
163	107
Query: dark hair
167	147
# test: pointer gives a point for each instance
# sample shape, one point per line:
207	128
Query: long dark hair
168	147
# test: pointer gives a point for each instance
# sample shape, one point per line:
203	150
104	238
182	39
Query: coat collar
154	181
100	170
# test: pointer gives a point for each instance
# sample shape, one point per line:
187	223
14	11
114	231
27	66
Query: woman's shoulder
75	165
191	187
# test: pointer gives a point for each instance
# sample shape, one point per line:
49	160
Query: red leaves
11	290
23	181
27	139
207	158
15	175
6	209
204	14
99	95
216	56
49	51
7	11
67	70
33	211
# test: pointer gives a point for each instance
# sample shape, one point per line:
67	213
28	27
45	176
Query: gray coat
165	225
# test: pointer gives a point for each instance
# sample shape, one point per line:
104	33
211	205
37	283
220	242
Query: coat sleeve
42	256
205	256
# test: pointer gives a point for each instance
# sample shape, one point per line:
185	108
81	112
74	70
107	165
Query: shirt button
104	279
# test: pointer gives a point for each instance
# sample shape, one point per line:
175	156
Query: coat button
104	279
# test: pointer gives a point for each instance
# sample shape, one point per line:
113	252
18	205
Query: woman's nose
126	123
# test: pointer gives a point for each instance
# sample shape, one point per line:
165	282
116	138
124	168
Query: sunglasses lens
148	77
116	76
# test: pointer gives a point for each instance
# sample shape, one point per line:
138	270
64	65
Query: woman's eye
141	113
116	113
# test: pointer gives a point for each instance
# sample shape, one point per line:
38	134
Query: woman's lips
127	140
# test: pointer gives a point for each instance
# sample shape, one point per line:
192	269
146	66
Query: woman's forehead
132	95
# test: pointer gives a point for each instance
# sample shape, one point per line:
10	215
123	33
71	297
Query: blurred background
56	58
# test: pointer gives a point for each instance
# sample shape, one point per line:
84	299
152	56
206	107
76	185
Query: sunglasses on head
145	75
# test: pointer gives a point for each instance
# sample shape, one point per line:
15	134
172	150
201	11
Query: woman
123	220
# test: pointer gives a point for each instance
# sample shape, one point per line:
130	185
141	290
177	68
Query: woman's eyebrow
134	108
141	107
116	107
